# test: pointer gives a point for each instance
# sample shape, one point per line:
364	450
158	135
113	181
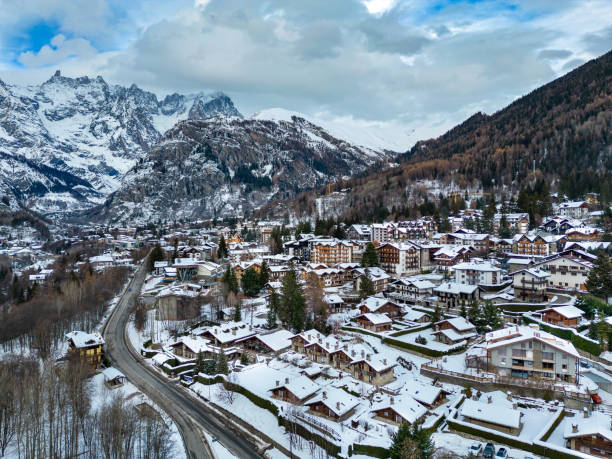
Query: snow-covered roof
491	413
516	334
476	266
302	387
111	373
337	400
373	303
596	424
458	323
407	407
453	335
569	312
83	339
455	288
421	392
376	319
277	340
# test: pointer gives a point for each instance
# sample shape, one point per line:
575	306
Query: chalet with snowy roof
374	322
492	416
375	369
379	305
227	334
296	391
398	410
88	346
480	242
453	295
333	403
590	434
568	270
447	256
334	302
519	221
528	352
378	276
407	289
415	316
477	272
573	209
530	283
321	350
562	316
359	232
301	340
399	258
429	396
583	234
189	347
268	343
158	267
453	331
559	225
342	357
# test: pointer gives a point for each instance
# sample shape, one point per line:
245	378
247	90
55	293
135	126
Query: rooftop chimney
367	357
574	428
489	399
586	412
277	383
286	380
362	353
384	361
324	395
338	406
392	400
509	396
352	352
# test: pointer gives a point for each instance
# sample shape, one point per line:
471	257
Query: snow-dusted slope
228	166
373	135
66	144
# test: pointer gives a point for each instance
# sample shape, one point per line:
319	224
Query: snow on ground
431	342
459	445
100	395
218	449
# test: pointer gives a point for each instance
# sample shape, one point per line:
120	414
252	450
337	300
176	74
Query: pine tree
411	442
229	280
264	275
491	316
222	250
157	254
474	313
370	256
436	316
250	282
199	364
238	312
222	368
271	320
463	311
366	286
599	281
291	309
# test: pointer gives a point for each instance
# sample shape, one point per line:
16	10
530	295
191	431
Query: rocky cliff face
228	166
66	144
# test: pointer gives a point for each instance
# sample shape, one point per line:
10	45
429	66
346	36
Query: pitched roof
491	413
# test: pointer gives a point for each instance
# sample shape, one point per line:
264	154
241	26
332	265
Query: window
548	355
564	366
503	361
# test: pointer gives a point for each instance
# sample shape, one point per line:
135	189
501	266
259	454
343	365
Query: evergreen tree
199	364
238	312
339	232
370	256
474	313
271	320
366	286
157	254
229	280
445	226
250	282
291	310
436	316
264	275
463	311
599	281
504	231
320	228
411	442
276	240
491	316
222	368
222	250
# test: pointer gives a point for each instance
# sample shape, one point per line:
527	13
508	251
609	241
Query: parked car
596	399
584	364
501	453
489	450
475	449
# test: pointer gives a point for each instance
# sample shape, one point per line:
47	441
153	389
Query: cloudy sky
410	68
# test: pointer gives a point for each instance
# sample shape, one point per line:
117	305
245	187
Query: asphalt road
191	416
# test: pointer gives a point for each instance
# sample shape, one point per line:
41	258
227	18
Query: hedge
361	330
553	426
424	350
256	399
369	450
520	307
411	330
148	354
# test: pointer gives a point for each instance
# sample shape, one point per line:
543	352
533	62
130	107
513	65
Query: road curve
190	416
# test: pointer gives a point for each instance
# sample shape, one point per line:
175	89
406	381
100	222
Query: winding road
191	416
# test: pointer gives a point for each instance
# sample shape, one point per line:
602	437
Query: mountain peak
218	103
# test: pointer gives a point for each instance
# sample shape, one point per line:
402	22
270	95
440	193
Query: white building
477	272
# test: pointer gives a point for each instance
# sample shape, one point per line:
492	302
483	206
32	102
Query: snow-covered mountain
66	144
228	166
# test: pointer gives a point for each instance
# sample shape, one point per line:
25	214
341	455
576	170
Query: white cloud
379	6
59	50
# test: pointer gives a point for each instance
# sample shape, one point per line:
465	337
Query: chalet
374	322
379	278
379	305
333	403
453	295
334	302
527	244
530	283
301	340
583	234
373	369
158	267
412	315
568	270
398	410
477	272
268	343
428	395
559	225
295	391
528	352
189	347
227	334
88	346
591	434
321	350
453	331
359	232
492	416
113	378
563	316
342	358
573	209
517	221
451	255
407	289
400	258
